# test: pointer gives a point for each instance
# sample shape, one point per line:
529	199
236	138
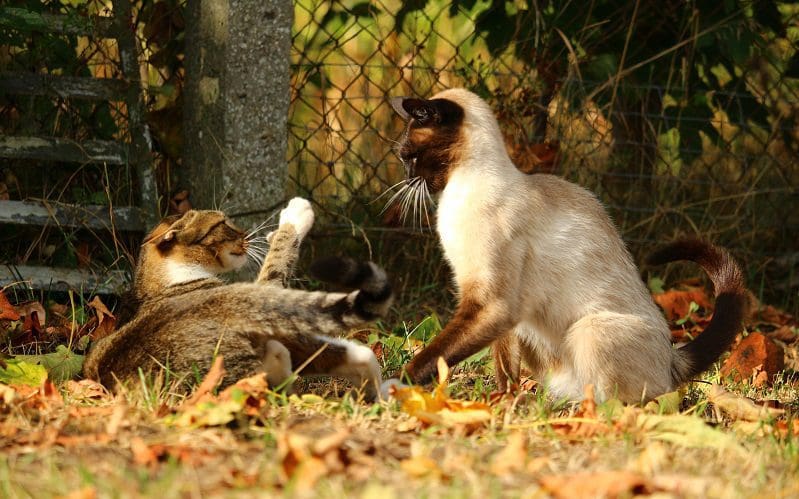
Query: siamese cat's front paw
299	214
388	386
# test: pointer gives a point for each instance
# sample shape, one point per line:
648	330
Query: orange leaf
212	378
7	310
601	484
438	408
676	303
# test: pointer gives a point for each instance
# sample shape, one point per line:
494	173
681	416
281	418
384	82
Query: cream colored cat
541	271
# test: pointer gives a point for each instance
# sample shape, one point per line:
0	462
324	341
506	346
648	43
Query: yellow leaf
738	407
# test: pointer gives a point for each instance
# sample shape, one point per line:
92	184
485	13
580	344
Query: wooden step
76	87
55	149
112	282
122	218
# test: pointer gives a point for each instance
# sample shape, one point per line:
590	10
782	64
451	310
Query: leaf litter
430	439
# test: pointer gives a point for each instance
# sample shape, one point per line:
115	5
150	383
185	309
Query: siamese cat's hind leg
507	361
619	354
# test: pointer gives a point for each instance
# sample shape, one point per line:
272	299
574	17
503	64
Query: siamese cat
542	273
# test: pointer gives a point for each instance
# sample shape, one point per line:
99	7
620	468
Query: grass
123	446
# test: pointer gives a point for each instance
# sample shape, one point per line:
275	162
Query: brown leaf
512	458
87	492
599	484
752	355
305	458
7	310
211	380
584	424
738	407
85	389
4	192
106	322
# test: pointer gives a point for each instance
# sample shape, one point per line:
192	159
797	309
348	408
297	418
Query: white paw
299	214
387	385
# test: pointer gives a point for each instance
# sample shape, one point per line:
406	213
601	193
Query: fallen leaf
585	423
61	365
33	311
87	492
305	457
676	303
106	322
246	397
7	310
437	408
211	380
85	389
420	466
512	457
684	430
738	407
600	484
20	372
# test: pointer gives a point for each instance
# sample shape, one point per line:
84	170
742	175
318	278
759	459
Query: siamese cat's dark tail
730	311
373	296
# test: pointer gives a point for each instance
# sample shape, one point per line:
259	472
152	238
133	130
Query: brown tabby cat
187	315
542	273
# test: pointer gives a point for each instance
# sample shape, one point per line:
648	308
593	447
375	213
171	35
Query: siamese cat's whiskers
388	190
395	196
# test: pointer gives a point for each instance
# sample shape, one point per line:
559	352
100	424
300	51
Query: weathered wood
63	86
20	19
141	143
54	149
61	279
95	217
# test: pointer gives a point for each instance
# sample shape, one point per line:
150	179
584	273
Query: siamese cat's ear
423	111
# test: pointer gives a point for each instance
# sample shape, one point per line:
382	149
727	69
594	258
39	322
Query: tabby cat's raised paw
299	214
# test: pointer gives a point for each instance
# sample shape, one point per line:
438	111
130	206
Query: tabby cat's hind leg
337	357
277	365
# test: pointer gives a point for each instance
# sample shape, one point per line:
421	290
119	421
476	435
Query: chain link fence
682	118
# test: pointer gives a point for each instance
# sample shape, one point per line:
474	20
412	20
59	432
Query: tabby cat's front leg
296	220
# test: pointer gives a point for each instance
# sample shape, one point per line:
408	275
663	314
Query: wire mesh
710	150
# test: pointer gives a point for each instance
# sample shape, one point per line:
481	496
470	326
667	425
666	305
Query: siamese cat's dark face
429	146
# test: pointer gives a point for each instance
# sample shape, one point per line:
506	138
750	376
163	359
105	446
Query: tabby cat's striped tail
373	294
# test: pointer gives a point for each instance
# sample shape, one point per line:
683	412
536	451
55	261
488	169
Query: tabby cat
187	315
541	271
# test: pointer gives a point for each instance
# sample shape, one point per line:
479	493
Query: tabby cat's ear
423	111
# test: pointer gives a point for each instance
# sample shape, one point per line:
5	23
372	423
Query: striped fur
183	322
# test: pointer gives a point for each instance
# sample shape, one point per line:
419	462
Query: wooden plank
63	86
125	218
20	19
111	282
55	149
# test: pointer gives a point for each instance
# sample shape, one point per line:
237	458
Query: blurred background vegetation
681	115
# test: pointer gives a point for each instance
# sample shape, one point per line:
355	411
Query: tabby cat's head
198	242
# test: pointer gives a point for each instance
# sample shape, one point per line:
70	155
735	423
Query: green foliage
61	365
21	372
